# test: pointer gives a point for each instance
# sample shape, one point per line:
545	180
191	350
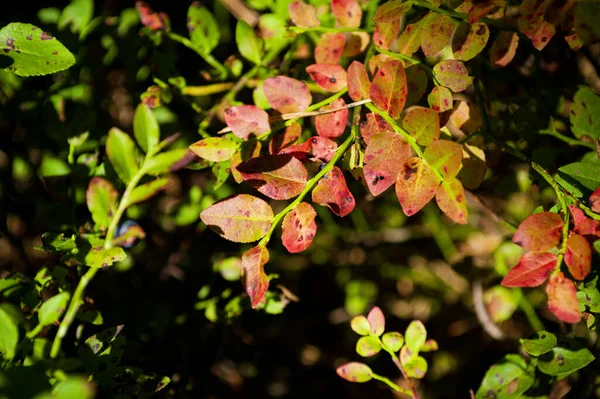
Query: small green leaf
169	161
564	359
249	45
579	178
393	340
55	242
78	14
101	198
10	318
368	346
122	154
360	325
53	308
355	372
145	128
417	368
585	114
415	336
33	51
203	28
145	191
508	379
541	342
215	149
73	387
98	256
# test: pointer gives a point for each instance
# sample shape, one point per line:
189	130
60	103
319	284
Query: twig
568	140
482	314
240	10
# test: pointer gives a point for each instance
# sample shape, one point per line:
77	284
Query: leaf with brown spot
473	168
355	372
247	121
377	321
215	149
533	24
299	228
330	77
148	17
436	32
384	156
539	232
389	89
391	11
450	198
347	13
453	74
582	224
423	124
562	298
504	48
333	124
531	271
417	81
440	99
445	156
322	148
239	218
290	136
374	124
101	199
482	8
250	149
377	61
329	48
300	151
287	95
469	40
303	15
386	33
279	177
356	43
255	280
358	81
578	256
416	185
410	39
331	191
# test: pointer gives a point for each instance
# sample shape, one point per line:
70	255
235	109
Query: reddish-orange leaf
562	298
332	191
450	197
532	270
532	22
384	156
356	43
303	15
469	40
255	280
374	124
416	185
287	95
239	218
332	125
582	224
377	61
482	8
150	18
283	140
504	48
300	151
329	48
299	228
391	11
436	33
250	149
215	149
386	33
389	89
329	77
539	232
323	148
445	156
453	74
440	99
473	168
578	256
247	121
276	176
347	12
416	80
410	39
595	201
358	81
423	124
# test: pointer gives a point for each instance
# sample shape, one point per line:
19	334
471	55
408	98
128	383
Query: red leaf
150	18
436	33
287	95
303	15
445	156
323	148
329	48
374	124
299	228
440	99
384	156
276	176
391	11
423	124
298	151
331	191
578	257
532	270
450	198
389	90
539	232
386	33
329	77
247	121
255	279
347	12
358	81
532	22
582	224
416	80
332	125
288	137
595	201
453	74
416	185
377	321
504	48
215	149
239	218
562	298
410	39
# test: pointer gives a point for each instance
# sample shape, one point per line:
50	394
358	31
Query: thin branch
568	140
482	314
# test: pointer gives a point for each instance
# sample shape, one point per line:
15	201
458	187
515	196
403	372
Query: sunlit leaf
541	342
452	74
374	124
384	156
410	39
469	40
595	201
429	346
504	48
436	32
322	148
376	61
578	256
539	232
368	346
450	198
144	191
531	271
389	89
276	176
562	298
582	224
355	372
329	48
333	124
566	358
482	8
347	13
248	44
101	199
53	308
255	279
423	124
215	149
445	156
416	185
247	121
391	11
377	321
168	161
501	303
358	81
440	99
303	15
330	77
203	28
360	325
386	33
10	319
415	335
332	191
416	368
287	94
145	128
393	340
122	154
299	228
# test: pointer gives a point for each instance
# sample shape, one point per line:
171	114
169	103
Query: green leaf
203	28
564	359
589	294
73	387
53	167
33	51
355	372
78	14
145	191
417	368
10	318
101	198
98	256
368	346
579	178
168	161
122	154
360	325
145	128
55	242
585	114
393	340
249	45
508	379
53	308
541	342
415	336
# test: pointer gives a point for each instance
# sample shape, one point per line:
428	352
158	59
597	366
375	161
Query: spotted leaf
391	11
332	191
504	48
374	124
247	121
358	81
423	124
330	77
539	232
287	94
303	15
355	372
578	256
531	271
450	198
440	99
386	33
384	156
453	74
436	33
215	149
255	279
445	156
347	13
562	298
332	125
389	89
329	48
299	228
276	176
416	185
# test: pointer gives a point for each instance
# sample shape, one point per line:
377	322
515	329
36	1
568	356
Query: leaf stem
568	140
390	384
209	59
413	390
